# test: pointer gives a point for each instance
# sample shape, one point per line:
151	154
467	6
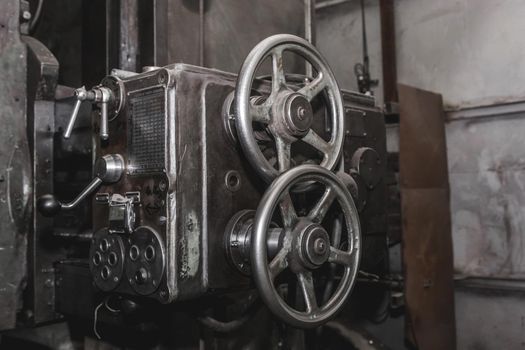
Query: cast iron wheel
287	114
306	246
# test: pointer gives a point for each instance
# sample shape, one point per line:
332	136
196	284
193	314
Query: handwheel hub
314	246
292	116
298	114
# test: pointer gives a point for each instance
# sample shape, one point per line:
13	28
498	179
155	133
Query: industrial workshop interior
262	174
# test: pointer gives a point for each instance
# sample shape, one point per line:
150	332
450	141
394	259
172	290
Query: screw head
320	246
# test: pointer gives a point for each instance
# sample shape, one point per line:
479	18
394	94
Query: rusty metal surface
423	163
15	168
427	241
427	254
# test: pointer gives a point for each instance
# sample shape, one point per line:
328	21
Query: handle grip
73	119
49	205
104	133
108	169
99	94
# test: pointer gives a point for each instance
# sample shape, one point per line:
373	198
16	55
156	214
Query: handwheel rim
244	119
260	263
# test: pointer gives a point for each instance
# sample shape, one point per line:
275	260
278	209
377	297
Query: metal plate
106	260
145	256
427	256
427	239
355	123
146	130
422	137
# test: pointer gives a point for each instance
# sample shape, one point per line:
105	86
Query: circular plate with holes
145	261
106	260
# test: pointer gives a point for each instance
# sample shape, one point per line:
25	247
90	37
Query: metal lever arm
49	205
100	94
81	95
108	168
104	96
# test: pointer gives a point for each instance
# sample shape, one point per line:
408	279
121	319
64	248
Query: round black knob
48	205
141	276
129	307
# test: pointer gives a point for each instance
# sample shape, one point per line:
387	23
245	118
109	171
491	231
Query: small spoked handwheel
305	247
286	113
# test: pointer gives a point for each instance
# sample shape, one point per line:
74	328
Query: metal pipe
309	29
329	3
201	33
388	50
74	236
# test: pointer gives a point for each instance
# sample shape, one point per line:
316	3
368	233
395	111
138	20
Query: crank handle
109	169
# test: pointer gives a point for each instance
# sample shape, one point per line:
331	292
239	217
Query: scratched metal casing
177	153
176	140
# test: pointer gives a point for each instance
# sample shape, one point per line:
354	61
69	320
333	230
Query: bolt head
315	244
320	246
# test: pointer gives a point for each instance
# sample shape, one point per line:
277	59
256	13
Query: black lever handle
49	205
109	169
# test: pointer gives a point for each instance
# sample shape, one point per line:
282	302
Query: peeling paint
487	178
189	246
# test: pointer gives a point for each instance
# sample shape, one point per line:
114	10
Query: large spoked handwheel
306	246
286	113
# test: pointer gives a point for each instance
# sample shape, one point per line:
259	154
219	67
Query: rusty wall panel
427	253
425	207
423	163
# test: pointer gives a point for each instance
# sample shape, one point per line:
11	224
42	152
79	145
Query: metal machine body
185	178
174	211
182	171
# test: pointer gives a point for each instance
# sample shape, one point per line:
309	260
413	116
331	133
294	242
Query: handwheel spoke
317	142
260	113
319	211
288	211
279	263
278	79
283	154
314	88
307	286
340	257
